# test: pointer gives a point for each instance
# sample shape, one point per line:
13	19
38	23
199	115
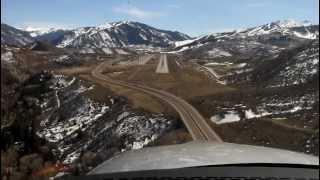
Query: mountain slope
14	37
266	40
286	27
292	67
111	35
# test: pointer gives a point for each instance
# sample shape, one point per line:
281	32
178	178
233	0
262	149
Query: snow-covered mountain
279	34
14	37
277	54
286	27
266	40
111	35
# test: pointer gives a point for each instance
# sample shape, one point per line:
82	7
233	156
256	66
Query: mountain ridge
112	35
14	37
135	35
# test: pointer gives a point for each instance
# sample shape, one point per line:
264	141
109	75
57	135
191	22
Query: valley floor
91	110
212	98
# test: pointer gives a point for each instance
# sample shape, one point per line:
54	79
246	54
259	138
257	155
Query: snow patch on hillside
182	43
229	117
305	67
121	51
7	56
305	36
215	52
107	50
62	58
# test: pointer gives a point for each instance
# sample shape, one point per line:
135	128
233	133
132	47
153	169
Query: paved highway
195	123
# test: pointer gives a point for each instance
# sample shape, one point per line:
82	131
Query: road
195	123
212	73
163	64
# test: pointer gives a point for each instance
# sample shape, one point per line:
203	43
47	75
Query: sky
194	17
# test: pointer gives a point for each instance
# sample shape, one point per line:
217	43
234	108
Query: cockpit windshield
98	86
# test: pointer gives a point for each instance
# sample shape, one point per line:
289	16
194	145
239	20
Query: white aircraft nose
199	153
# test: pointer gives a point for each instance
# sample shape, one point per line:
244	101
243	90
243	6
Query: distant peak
105	25
118	23
115	24
291	23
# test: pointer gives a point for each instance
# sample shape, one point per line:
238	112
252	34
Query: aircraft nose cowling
200	154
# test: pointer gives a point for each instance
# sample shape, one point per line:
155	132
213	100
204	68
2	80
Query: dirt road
195	123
